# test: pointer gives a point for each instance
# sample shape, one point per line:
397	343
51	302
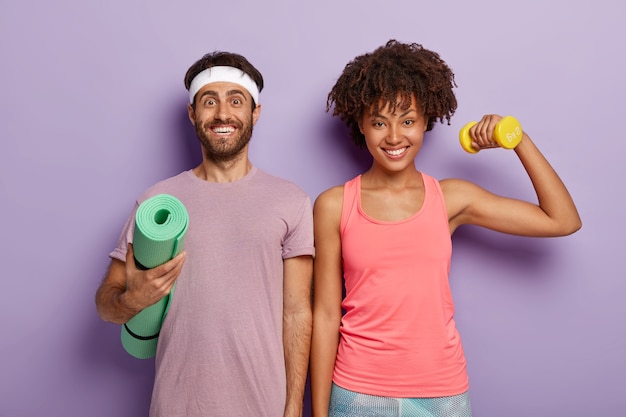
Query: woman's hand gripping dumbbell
507	133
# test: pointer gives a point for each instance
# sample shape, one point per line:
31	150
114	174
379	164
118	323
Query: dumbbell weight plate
508	132
466	139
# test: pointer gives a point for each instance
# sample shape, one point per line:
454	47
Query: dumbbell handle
507	134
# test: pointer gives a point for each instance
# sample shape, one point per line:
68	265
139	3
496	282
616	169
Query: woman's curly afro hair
390	76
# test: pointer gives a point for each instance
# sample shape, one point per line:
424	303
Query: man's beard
224	150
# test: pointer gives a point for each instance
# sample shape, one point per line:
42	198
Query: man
235	341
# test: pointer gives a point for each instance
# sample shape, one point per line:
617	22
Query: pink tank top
398	336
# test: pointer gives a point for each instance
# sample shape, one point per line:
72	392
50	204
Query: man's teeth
395	152
223	130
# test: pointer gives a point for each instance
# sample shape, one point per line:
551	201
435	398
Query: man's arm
297	323
126	290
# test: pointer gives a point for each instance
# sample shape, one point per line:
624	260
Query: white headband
226	74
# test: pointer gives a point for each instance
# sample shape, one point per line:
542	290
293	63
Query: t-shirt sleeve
299	238
125	238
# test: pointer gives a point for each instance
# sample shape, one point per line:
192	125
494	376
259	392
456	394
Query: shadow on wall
188	143
351	160
108	362
180	144
517	252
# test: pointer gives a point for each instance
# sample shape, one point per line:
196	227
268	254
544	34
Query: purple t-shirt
220	350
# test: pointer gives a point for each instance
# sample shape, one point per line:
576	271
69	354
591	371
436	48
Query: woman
390	346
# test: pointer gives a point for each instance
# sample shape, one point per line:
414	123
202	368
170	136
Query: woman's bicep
469	203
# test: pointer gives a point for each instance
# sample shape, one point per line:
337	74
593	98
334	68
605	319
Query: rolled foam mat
160	227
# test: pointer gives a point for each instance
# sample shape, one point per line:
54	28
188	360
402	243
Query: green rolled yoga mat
160	227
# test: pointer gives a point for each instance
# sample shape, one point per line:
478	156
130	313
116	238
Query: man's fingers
164	276
171	265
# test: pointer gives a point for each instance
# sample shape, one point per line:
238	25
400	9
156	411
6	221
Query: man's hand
146	287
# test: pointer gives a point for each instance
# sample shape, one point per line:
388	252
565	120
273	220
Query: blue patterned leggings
344	403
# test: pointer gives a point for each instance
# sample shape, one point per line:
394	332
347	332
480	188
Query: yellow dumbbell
507	134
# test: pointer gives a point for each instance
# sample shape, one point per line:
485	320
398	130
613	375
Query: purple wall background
92	111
